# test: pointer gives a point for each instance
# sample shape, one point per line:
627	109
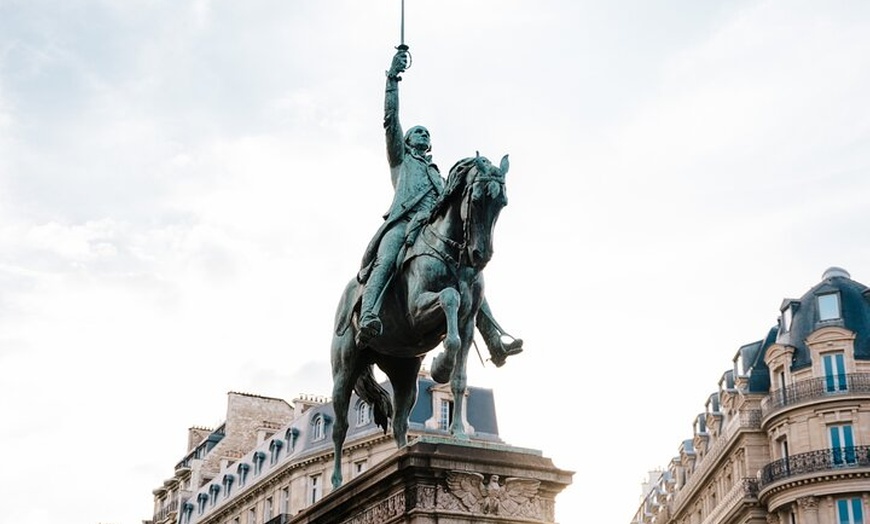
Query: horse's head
483	197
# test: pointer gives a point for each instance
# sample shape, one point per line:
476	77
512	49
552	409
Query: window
259	458
360	466
243	473
842	444
835	372
285	500
267	510
850	511
319	432
252	515
275	450
228	484
783	448
829	306
290	437
201	501
213	491
314	488
187	512
786	318
363	413
446	415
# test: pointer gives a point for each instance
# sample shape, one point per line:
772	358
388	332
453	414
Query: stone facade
272	460
786	438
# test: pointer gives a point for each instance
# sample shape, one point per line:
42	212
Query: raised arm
395	140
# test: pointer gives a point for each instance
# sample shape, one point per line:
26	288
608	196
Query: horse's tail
377	397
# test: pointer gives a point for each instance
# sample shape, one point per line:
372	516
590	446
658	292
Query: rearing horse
434	297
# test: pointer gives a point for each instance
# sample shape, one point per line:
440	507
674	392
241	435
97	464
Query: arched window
290	437
319	428
363	413
275	450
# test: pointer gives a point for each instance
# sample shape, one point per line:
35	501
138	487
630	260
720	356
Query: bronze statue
421	283
417	183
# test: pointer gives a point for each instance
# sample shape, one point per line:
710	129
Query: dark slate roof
759	375
854	309
481	407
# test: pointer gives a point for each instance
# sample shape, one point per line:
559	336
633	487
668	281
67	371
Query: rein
456	250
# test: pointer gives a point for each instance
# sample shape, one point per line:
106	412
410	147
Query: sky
187	186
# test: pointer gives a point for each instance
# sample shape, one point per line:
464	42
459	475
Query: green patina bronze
421	281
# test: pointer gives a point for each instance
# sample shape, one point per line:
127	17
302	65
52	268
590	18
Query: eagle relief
513	497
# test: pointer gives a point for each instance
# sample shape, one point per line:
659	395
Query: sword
402	46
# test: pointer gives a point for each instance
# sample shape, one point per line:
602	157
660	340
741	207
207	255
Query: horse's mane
455	180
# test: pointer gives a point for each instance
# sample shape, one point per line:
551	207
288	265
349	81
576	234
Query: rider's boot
370	325
499	350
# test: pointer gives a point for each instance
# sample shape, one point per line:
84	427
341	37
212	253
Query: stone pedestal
446	481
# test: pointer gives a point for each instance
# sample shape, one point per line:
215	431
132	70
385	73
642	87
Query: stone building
271	459
785	439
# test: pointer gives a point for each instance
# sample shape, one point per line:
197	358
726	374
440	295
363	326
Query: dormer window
787	309
243	473
319	428
829	306
363	413
259	458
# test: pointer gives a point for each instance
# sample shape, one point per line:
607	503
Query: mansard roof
854	315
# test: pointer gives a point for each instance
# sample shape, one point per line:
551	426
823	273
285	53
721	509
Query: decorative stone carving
420	497
391	507
515	497
808	503
773	518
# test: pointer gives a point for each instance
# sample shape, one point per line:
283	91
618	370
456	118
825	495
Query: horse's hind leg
345	369
403	376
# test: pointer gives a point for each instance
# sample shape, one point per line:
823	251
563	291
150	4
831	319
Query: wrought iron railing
820	387
165	511
823	460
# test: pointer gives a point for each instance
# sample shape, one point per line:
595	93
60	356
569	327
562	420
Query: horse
434	297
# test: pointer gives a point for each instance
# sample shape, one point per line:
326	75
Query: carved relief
808	503
773	518
389	508
420	497
473	493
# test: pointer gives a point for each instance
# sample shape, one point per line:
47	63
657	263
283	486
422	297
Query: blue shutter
857	511
841	371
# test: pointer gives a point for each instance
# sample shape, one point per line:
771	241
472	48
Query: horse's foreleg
345	361
448	300
458	382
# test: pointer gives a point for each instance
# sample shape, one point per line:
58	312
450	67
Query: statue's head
418	138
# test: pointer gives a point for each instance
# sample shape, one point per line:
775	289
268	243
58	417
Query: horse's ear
505	165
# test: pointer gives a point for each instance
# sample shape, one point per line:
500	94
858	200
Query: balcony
830	460
814	389
166	512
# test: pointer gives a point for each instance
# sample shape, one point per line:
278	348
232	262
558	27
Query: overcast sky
186	187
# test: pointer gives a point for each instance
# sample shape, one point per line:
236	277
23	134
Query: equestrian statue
420	282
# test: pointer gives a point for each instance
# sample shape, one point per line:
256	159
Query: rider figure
417	183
